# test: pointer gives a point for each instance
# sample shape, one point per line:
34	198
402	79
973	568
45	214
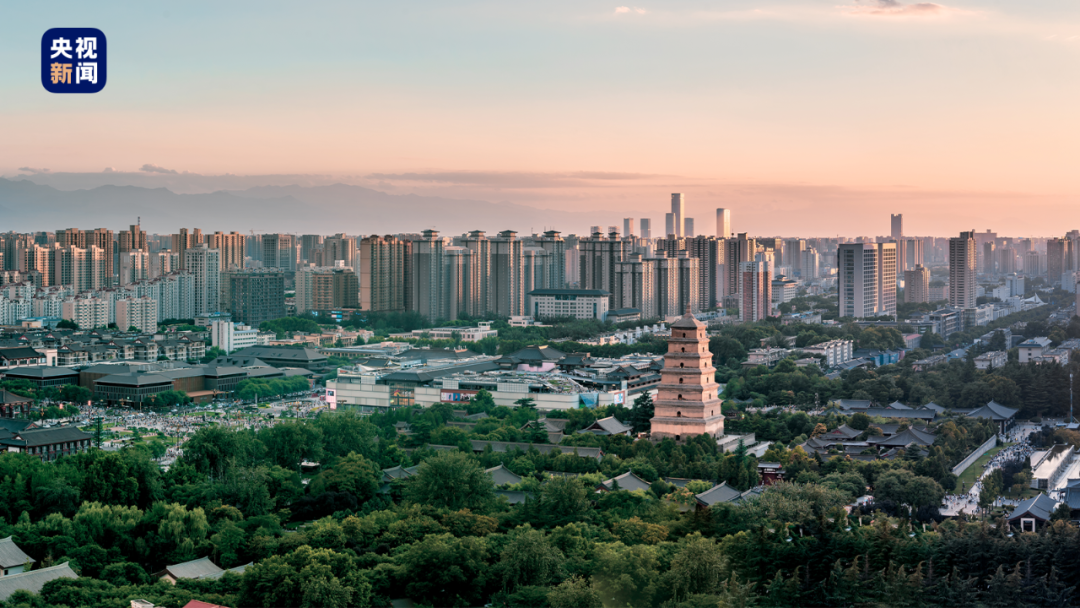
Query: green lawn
971	475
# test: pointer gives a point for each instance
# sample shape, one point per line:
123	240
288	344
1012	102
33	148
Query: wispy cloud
514	179
895	8
32	170
622	10
151	168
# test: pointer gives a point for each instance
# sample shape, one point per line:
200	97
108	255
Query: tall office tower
132	239
480	271
184	240
917	285
867	279
688	227
1056	250
810	264
279	251
385	273
536	271
678	212
628	226
688	402
323	289
646	228
554	244
339	248
232	246
308	242
723	223
253	296
599	255
134	266
755	291
897	232
506	285
461	293
709	252
427	274
962	270
736	251
988	258
669	225
204	264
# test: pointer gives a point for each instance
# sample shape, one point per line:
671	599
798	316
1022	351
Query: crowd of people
1019	449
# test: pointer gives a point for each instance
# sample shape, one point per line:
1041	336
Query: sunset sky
809	117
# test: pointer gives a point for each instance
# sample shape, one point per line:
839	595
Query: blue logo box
73	60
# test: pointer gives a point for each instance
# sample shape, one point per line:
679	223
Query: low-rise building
229	336
464	334
576	303
835	352
991	360
45	443
1032	348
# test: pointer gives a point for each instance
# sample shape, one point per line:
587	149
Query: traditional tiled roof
905	438
627	481
607	426
544	448
1039	507
34	580
718	494
687	321
11	555
8	397
501	475
994	411
195	569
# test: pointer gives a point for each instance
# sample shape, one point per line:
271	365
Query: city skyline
809	119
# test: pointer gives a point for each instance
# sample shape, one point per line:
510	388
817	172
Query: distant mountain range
26	206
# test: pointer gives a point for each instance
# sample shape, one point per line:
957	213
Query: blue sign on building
73	60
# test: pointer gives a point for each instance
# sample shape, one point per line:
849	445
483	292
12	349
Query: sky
808	117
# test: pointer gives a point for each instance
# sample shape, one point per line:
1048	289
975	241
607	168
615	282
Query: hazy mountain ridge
26	206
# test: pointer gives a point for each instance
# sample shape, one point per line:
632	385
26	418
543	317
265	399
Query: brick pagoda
687	401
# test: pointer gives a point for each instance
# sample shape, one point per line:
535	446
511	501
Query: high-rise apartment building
646	228
867	279
428	296
555	246
134	266
536	271
736	251
897	231
308	243
279	251
254	296
204	264
913	254
461	294
385	277
599	255
755	291
962	268
85	239
322	289
132	239
723	223
1056	256
709	252
507	290
917	285
232	247
988	260
339	248
678	213
479	247
140	313
184	240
